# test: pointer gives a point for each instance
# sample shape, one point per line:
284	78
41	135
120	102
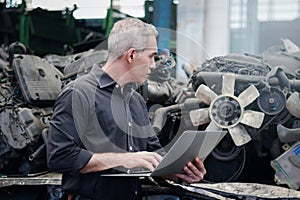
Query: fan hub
226	111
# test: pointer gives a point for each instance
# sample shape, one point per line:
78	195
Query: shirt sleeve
153	143
65	152
155	146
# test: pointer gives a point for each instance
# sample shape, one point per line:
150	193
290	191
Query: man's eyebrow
154	53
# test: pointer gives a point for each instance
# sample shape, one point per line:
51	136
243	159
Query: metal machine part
227	111
271	100
287	167
29	86
249	104
288	135
40	82
293	104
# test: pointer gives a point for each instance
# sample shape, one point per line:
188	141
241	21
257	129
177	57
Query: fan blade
253	118
292	104
228	84
205	94
210	141
199	116
248	95
213	127
239	135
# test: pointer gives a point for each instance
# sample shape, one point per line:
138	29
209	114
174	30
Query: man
100	124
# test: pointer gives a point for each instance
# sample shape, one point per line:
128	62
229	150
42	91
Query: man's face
144	61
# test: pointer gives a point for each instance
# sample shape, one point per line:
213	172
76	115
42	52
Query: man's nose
152	64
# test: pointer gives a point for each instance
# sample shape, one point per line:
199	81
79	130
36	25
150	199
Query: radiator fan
227	111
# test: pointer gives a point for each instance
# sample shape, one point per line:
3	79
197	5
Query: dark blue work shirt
93	115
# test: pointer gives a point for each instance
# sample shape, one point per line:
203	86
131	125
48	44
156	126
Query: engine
29	87
254	98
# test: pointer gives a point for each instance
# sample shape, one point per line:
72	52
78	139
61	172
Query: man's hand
103	161
194	171
144	159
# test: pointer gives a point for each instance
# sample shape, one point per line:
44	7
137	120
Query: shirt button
129	123
117	86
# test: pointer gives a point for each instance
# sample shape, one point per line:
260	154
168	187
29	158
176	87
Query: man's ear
130	55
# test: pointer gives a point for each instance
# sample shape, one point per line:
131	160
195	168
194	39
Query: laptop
189	145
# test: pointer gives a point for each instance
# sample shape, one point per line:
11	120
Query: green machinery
58	32
41	31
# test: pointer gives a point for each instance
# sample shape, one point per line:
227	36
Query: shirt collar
103	78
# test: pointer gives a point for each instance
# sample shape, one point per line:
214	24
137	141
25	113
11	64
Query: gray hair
129	33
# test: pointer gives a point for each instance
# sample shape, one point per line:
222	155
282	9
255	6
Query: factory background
211	28
48	43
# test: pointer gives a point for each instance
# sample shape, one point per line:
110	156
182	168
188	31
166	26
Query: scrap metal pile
254	98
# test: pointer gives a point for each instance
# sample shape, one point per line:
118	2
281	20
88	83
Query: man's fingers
199	164
147	165
194	171
157	157
186	178
153	158
148	160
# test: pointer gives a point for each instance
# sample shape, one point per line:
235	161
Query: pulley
271	100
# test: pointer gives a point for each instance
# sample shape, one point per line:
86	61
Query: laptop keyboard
138	170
